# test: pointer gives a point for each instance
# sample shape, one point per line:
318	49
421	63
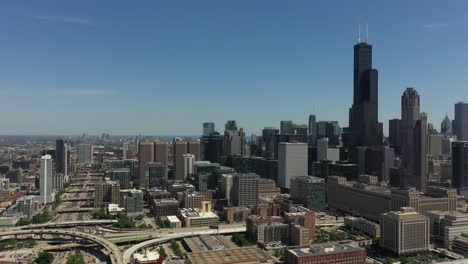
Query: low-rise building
173	221
191	217
460	244
367	227
445	226
236	214
326	253
230	256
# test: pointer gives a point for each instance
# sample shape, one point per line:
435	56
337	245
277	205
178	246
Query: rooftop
231	256
329	248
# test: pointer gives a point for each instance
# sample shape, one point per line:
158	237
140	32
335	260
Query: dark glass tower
60	156
364	127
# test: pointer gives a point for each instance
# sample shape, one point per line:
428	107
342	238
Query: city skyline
277	53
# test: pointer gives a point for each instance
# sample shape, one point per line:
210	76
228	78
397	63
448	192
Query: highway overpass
180	233
114	252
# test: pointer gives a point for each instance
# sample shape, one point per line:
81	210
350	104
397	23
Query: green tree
124	222
42	218
161	223
23	222
76	258
261	245
44	258
101	214
176	247
162	252
240	240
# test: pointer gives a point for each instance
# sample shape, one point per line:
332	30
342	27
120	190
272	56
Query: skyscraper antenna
367	32
359	33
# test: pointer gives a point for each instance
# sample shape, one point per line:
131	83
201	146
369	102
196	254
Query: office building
133	203
394	134
370	198
435	145
105	193
164	207
192	200
330	130
292	162
161	150
267	187
460	167
367	227
446	126
230	125
122	176
312	130
413	128
46	180
4	184
445	226
212	147
145	155
309	191
85	153
234	142
227	184
245	189
322	149
61	157
156	174
189	161
267	229
208	128
268	138
179	148
286	127
404	232
460	123
194	148
326	253
27	205
195	218
364	127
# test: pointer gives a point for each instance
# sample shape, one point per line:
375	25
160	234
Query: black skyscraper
60	156
364	127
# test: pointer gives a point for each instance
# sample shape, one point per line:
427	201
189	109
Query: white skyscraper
85	153
189	160
45	180
292	162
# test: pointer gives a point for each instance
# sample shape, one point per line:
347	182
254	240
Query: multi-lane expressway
113	251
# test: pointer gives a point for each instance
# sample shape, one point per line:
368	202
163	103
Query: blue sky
165	67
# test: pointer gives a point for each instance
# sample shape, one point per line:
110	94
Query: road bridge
113	251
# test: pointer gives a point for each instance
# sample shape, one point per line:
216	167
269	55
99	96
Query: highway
180	233
112	250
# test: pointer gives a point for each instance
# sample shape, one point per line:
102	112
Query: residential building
85	153
106	192
245	189
46	180
189	160
145	155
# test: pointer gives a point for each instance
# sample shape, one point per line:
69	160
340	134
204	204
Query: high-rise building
179	148
268	138
106	192
189	161
61	151
45	179
208	128
460	123
230	125
286	127
309	191
245	189
446	126
364	127
234	142
413	170
394	132
121	175
145	155
292	162
313	130
404	232
160	154
194	148
460	167
212	147
156	174
227	184
85	153
322	149
133	203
